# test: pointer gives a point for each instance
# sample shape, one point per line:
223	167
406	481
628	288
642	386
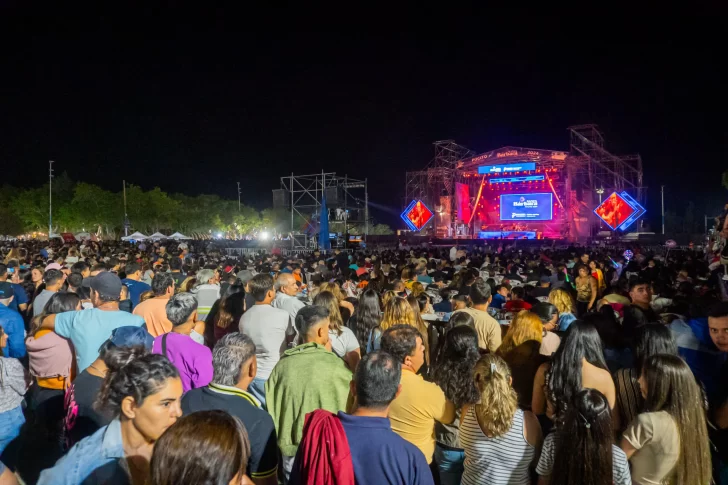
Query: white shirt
291	304
344	343
268	328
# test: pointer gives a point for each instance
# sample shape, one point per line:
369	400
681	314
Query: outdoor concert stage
524	193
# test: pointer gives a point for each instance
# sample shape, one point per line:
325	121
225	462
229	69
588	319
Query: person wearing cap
541	292
286	290
207	291
53	279
12	322
82	417
88	329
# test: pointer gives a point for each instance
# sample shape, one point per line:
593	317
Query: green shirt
307	377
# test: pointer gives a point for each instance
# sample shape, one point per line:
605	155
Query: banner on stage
526	207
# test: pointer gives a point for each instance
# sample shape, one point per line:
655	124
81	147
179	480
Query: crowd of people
171	363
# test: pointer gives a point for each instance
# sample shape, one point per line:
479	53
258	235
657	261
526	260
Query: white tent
137	236
157	236
82	235
179	235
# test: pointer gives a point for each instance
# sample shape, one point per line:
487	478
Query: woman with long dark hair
582	450
650	339
210	447
549	315
578	364
453	372
669	441
365	321
227	314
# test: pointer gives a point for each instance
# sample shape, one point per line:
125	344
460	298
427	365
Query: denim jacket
98	459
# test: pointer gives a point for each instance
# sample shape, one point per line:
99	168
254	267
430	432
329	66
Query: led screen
526	207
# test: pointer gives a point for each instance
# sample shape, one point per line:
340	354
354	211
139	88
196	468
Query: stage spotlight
264	235
219	235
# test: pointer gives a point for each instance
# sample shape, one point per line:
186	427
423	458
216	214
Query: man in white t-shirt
270	329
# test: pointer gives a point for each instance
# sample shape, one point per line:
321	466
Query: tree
10	224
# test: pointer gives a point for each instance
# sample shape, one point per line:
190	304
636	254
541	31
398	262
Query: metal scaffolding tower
305	193
596	168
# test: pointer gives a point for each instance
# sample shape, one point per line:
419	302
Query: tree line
80	206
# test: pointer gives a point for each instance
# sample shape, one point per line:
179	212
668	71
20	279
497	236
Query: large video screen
526	207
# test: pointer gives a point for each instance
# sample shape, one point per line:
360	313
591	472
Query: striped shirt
620	467
504	460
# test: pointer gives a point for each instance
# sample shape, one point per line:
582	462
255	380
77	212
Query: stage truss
577	178
305	194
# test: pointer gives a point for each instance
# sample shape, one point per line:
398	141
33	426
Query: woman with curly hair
564	303
143	395
500	440
453	372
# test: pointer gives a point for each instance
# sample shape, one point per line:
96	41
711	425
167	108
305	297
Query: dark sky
193	102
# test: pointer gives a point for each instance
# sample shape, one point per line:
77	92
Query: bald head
286	283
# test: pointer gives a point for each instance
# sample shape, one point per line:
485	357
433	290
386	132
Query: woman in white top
668	443
582	451
343	341
500	440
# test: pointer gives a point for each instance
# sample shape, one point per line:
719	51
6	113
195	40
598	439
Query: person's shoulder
12	366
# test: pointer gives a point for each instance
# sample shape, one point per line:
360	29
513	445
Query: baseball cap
6	290
544	279
130	336
106	284
53	266
245	275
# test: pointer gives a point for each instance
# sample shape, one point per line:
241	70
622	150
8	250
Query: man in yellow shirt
420	403
488	329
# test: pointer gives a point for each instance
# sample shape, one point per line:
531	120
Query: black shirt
82	420
263	460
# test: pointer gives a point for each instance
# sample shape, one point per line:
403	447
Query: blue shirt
498	301
88	329
12	324
380	455
20	297
423	278
98	459
136	288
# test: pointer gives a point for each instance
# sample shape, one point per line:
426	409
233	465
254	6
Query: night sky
188	103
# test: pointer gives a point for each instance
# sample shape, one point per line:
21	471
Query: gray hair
204	276
284	279
228	357
180	307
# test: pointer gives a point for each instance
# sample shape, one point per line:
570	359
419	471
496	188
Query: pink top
194	361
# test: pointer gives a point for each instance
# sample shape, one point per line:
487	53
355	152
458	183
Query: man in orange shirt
154	310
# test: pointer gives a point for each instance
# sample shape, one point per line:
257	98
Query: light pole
238	196
50	199
600	191
662	196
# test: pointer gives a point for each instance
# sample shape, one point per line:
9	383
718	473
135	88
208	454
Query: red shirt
517	306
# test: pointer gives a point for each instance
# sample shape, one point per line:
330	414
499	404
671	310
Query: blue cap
131	336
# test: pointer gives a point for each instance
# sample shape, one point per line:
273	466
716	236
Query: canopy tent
157	236
179	235
137	236
82	235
